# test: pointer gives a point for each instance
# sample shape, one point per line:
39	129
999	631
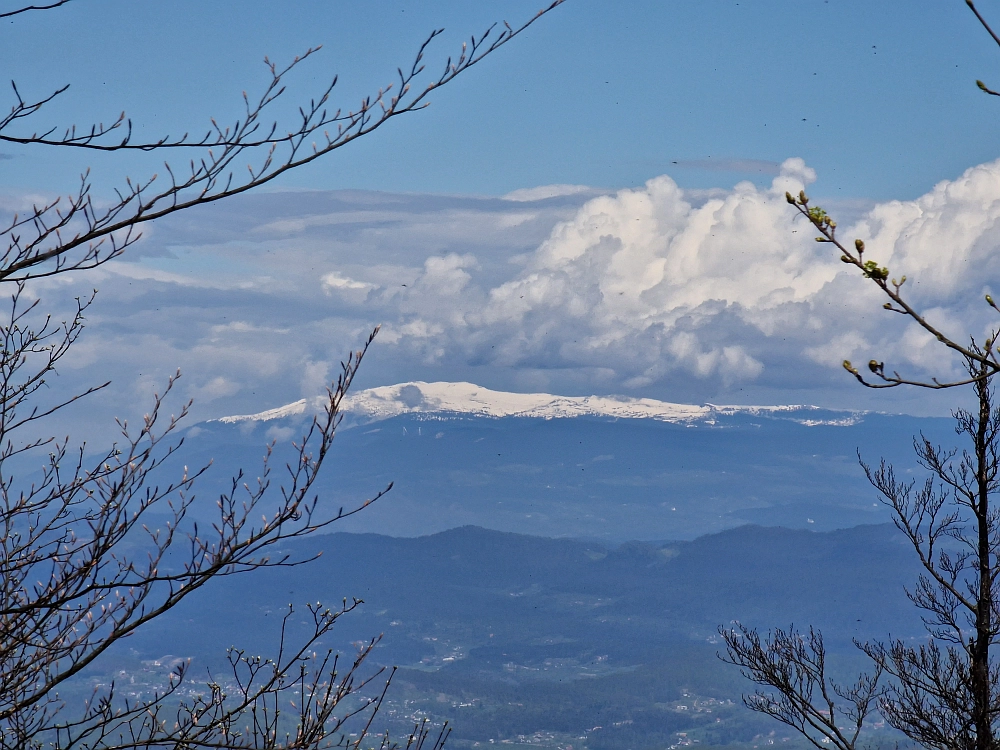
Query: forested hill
577	629
849	581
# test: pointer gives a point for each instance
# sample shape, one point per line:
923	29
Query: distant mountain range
607	468
451	400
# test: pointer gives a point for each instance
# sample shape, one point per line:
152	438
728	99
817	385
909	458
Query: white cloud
333	281
237	327
544	192
315	378
631	280
658	291
347	288
217	387
726	287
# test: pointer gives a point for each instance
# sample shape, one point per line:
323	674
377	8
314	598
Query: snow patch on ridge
473	400
289	410
468	399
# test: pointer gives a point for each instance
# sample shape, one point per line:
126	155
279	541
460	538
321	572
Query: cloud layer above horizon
654	291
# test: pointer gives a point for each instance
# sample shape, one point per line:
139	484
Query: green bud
874	366
887	306
989	300
982	86
803	198
859	246
872	271
849	367
846	259
789	198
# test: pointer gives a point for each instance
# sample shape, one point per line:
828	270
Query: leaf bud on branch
873	271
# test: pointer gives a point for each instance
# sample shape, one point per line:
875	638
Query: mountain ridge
443	400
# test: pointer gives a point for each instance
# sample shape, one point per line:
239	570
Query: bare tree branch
40	243
792	668
25	9
82	564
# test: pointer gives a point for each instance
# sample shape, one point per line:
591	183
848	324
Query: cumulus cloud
652	281
334	283
635	278
655	290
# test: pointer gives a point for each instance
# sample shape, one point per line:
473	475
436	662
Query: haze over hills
563	641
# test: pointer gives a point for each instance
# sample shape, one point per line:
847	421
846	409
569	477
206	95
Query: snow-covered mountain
604	467
449	400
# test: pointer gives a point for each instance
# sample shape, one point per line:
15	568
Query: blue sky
882	103
692	283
